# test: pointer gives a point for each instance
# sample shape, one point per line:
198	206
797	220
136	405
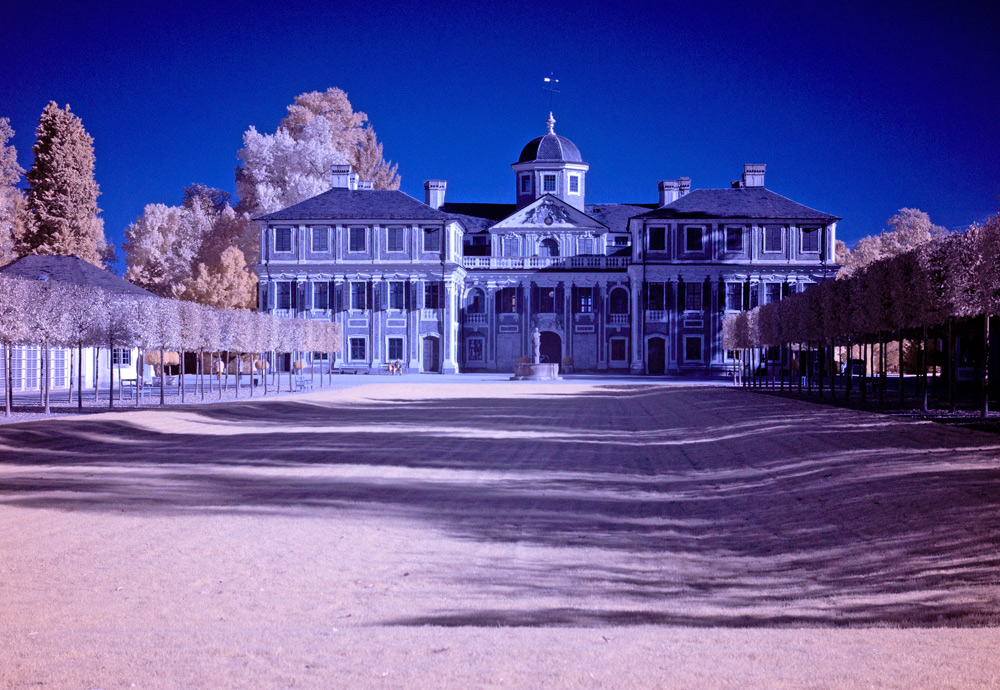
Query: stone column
635	331
449	328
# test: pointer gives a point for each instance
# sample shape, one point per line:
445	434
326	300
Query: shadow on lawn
705	506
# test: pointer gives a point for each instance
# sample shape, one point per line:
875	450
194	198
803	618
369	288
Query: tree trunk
111	372
902	393
163	378
79	376
923	363
140	374
45	380
181	387
72	358
8	379
882	363
239	370
950	363
120	377
983	392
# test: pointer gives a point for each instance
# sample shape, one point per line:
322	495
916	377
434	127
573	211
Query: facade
459	287
97	364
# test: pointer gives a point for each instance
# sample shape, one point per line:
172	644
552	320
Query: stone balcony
523	263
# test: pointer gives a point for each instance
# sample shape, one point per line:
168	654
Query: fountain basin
544	371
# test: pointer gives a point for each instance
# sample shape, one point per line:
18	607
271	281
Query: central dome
550	147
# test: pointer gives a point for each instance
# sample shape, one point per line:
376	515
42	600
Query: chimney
685	185
365	184
434	193
341	175
352	180
669	191
753	175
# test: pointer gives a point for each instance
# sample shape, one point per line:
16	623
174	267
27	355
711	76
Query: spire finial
551	122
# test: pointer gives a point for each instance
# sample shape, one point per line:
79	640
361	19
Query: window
734	240
508	300
618	301
510	246
574	184
621	240
359	296
619	349
432	295
810	239
692	297
657	239
693	239
397	290
282	239
549	182
773	292
734	296
395	243
585	300
772	238
546	300
655	296
321	295
320	239
357	239
525	184
121	356
395	349
283	295
692	349
432	239
548	247
476	303
586	246
475	349
359	351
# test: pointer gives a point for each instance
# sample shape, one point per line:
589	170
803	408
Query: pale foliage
229	284
293	164
161	247
62	192
12	204
907	230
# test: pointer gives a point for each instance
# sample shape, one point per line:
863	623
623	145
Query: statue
536	347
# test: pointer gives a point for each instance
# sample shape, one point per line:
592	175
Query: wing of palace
459	287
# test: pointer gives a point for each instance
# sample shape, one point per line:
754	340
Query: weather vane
550	86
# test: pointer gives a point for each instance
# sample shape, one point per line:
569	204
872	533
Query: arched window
476	302
618	301
548	247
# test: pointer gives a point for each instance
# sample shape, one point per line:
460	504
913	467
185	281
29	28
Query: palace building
459	287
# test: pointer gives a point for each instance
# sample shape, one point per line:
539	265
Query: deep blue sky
857	110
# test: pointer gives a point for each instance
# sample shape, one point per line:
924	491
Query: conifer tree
13	210
62	192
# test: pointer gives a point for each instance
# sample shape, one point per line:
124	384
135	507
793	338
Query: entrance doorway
432	354
550	347
656	356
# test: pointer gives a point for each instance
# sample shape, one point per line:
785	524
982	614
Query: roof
550	147
740	202
339	203
615	216
72	270
473	224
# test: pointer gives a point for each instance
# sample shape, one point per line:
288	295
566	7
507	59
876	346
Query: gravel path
405	534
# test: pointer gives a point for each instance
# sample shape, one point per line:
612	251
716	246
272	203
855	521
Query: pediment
548	214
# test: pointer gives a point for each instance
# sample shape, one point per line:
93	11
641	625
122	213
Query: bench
303	384
393	368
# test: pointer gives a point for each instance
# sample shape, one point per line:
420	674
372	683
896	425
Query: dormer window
549	183
574	184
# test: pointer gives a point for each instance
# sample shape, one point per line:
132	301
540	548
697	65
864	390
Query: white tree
12	203
161	246
15	302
